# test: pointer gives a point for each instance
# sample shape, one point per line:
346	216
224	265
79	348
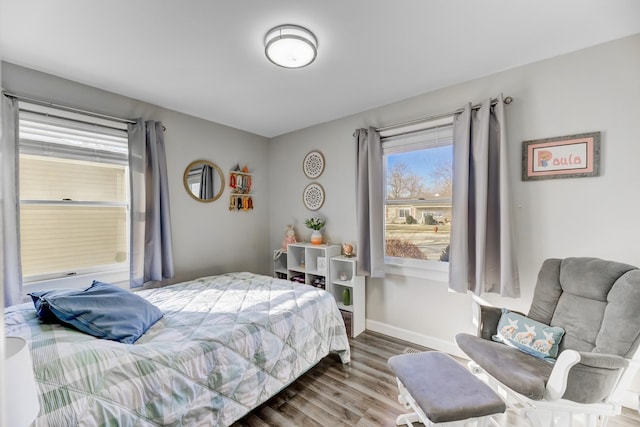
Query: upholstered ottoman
440	390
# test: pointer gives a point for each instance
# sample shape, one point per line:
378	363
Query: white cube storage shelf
322	265
309	263
280	264
355	284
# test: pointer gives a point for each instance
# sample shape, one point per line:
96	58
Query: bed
224	345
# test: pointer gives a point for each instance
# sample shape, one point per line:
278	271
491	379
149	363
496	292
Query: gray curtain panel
10	264
482	252
151	241
206	183
369	203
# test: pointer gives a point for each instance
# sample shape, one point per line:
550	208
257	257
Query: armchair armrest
577	375
487	317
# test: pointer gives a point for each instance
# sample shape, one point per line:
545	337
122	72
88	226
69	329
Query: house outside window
74	195
404	213
418	174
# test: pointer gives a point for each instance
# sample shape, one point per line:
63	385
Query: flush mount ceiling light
290	46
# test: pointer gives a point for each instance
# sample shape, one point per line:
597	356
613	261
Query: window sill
436	271
116	277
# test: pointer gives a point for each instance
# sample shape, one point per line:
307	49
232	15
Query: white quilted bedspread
225	345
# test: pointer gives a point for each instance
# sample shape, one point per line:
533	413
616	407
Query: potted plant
316	225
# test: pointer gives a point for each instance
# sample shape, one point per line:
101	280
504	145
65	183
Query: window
404	213
74	198
418	174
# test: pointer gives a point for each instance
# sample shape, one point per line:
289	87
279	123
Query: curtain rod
494	101
66	108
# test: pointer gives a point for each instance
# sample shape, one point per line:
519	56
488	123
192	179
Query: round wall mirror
204	181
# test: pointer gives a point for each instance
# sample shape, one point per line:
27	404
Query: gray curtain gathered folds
151	241
206	183
10	264
369	203
482	252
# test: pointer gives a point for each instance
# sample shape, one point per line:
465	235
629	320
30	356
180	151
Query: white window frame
404	212
409	138
113	273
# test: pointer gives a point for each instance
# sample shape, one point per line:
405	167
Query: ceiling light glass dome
290	46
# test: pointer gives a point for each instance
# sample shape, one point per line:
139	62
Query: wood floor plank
330	400
354	397
360	394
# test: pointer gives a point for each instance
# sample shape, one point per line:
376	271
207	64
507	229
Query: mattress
225	345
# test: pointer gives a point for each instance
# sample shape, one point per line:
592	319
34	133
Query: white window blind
73	193
433	137
52	135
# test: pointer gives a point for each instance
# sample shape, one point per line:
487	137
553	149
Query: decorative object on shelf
319	282
316	225
290	46
321	264
347	249
571	156
313	164
240	183
313	196
346	296
298	279
316	237
289	237
343	276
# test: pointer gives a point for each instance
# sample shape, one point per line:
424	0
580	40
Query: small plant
430	220
314	223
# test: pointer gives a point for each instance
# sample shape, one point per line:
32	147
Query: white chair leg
562	419
538	418
407	419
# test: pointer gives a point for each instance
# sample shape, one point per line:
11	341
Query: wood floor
361	394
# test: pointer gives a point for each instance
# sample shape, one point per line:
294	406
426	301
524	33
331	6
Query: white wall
207	237
597	89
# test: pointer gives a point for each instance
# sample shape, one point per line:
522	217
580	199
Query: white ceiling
206	57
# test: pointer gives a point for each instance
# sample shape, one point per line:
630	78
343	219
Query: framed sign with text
571	156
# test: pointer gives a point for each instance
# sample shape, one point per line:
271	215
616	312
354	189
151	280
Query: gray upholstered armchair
597	303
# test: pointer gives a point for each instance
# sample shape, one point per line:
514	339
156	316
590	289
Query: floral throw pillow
528	335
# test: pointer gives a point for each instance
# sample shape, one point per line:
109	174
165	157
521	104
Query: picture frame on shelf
322	264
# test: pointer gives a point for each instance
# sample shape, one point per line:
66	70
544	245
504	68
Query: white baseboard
628	399
416	338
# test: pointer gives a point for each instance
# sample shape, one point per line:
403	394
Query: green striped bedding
225	345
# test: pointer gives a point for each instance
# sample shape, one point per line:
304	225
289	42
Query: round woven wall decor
313	164
313	196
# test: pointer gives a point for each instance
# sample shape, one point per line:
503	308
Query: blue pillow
528	335
102	310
